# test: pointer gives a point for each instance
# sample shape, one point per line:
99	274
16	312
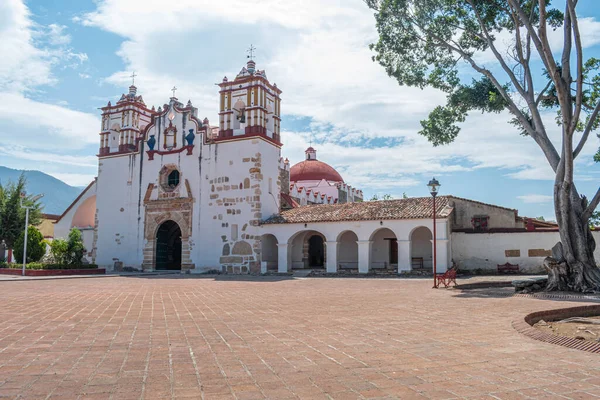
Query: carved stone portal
157	212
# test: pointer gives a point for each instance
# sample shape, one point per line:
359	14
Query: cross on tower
132	76
250	52
173	90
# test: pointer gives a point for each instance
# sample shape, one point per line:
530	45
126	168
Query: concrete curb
525	327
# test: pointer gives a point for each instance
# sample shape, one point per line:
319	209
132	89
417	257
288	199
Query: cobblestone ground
166	337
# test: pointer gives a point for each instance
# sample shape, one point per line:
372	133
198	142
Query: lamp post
433	189
27	208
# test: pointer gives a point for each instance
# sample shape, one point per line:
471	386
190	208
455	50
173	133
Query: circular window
173	179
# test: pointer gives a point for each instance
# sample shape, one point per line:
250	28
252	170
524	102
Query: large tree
425	43
12	215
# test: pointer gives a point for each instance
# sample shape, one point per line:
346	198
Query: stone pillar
404	258
283	260
331	257
364	256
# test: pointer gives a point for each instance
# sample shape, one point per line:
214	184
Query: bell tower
123	122
249	105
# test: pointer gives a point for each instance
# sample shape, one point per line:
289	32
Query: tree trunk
572	266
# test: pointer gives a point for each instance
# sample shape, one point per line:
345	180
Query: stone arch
240	117
168	246
384	249
269	251
153	220
347	250
421	248
304	253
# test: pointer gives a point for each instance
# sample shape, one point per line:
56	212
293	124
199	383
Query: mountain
57	194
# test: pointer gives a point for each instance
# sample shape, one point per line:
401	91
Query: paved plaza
239	337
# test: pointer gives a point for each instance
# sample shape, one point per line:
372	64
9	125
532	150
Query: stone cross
132	76
173	90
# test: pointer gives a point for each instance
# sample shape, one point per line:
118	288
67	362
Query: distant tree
404	195
36	247
595	219
541	218
12	216
384	197
426	43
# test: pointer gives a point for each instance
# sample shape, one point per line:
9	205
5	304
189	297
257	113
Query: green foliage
39	265
69	251
384	197
36	247
12	215
404	195
595	219
425	44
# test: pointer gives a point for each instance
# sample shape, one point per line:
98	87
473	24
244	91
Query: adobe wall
465	210
484	251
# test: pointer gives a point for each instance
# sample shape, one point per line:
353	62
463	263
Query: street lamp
27	208
434	186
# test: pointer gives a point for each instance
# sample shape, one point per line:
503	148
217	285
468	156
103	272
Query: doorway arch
168	246
421	249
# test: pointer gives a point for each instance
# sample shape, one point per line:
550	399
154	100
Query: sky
63	60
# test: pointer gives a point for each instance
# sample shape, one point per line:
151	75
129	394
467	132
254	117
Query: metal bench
508	268
446	278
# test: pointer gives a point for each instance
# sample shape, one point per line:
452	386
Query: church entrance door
168	246
316	252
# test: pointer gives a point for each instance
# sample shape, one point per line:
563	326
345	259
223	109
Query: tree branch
591	206
499	57
586	132
579	51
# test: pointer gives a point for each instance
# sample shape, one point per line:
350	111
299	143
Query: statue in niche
190	137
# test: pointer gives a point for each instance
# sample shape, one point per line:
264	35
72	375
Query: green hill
57	194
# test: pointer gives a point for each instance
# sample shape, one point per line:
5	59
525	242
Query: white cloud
57	35
73	179
44	126
536	198
317	52
33	132
23	65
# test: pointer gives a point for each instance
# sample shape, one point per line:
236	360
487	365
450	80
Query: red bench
508	268
446	278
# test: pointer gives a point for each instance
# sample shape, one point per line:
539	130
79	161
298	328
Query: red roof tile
411	208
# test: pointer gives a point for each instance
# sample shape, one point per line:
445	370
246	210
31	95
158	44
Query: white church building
175	193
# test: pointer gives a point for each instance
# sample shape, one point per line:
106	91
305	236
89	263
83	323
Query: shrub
37	265
36	247
69	251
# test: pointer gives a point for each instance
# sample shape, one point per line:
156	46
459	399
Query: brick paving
176	337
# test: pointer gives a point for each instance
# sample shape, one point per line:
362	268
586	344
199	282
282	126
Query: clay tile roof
411	208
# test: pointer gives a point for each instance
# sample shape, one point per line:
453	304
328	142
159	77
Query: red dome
314	170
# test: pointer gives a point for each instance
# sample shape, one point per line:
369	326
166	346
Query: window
173	179
480	223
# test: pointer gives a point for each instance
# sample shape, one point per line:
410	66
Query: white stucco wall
486	250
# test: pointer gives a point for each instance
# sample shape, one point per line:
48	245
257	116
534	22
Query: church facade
174	192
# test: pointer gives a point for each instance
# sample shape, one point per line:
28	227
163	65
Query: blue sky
63	60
